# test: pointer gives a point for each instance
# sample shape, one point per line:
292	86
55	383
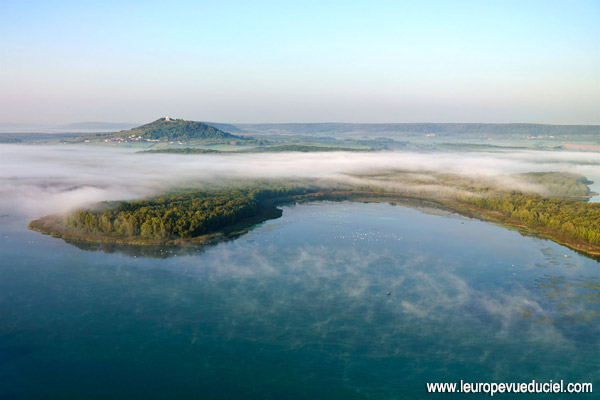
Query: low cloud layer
38	180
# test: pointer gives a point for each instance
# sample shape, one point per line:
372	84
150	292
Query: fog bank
38	180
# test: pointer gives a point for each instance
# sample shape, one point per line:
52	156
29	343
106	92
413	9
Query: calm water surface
298	308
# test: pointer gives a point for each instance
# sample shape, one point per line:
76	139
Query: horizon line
301	123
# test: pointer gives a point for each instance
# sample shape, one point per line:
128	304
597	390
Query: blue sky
300	61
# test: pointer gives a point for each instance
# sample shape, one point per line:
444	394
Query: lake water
298	308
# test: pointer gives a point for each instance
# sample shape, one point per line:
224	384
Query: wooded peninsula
204	216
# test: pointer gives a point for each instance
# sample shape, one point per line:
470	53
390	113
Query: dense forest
178	129
568	219
178	215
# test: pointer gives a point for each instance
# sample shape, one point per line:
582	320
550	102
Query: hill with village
168	129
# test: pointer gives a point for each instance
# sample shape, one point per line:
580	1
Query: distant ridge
225	127
439	129
178	129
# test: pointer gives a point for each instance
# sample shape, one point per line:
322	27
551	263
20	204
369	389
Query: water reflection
573	299
307	293
139	251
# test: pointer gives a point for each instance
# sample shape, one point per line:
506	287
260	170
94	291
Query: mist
40	180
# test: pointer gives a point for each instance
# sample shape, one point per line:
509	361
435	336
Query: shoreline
50	224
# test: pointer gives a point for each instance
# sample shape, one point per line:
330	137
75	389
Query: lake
298	308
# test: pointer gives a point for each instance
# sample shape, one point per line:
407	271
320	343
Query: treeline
193	213
179	215
301	148
267	149
563	184
557	212
571	219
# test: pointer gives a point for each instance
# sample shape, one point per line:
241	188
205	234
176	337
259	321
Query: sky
300	61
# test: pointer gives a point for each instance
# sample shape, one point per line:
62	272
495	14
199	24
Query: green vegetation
301	148
265	149
193	214
371	137
378	143
178	129
568	221
562	214
184	150
561	184
475	147
168	130
182	215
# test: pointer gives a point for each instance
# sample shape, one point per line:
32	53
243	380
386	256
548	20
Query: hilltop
166	130
169	129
